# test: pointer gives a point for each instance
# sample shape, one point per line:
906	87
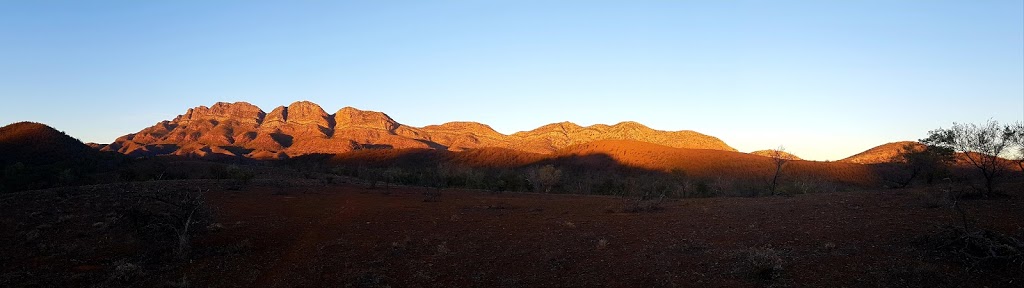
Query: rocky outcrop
307	113
241	112
243	130
352	118
466	135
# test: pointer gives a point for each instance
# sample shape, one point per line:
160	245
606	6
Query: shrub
167	220
982	145
981	248
545	178
765	263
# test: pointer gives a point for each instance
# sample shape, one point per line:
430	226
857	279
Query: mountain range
242	129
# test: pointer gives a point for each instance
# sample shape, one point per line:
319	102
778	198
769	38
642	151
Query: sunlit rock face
244	130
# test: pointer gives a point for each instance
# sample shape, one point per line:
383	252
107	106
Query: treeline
616	180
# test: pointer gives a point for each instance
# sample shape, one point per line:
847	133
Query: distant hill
884	153
772	153
33	143
34	156
243	130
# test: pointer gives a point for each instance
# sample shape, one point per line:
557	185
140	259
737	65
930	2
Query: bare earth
350	236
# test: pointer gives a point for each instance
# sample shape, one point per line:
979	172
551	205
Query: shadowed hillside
34	155
601	167
712	163
36	144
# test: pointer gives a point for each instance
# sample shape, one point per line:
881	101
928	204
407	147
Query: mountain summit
242	129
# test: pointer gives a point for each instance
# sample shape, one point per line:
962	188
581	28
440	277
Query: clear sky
826	79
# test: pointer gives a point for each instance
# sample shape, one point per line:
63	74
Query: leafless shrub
123	274
779	160
982	248
808	184
977	247
982	145
168	218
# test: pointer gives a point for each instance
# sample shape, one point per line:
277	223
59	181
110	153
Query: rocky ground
306	234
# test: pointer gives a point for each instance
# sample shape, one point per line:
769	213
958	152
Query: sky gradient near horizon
826	79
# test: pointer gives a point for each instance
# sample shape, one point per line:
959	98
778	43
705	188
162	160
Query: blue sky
826	79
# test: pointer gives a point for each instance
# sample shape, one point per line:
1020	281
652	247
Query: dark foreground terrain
314	235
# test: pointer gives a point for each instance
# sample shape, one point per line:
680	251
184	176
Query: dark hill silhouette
34	155
38	144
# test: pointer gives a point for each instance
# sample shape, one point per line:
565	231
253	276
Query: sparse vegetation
982	249
545	178
915	161
238	177
167	218
320	235
982	145
779	160
765	263
973	244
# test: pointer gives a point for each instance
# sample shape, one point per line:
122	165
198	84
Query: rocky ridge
242	129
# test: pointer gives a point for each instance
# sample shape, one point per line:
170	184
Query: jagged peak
220	111
308	126
279	114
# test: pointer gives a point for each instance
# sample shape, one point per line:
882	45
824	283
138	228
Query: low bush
764	263
166	221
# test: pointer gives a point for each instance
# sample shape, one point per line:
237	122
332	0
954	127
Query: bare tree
779	159
1018	131
982	146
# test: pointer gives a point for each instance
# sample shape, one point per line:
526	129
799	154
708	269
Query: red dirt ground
349	236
